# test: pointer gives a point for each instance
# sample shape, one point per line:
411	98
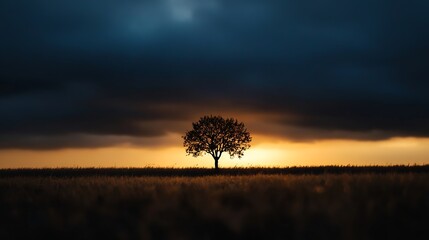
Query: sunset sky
92	83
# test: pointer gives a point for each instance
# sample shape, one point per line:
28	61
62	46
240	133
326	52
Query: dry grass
324	206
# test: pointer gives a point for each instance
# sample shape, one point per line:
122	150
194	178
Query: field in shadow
257	203
199	172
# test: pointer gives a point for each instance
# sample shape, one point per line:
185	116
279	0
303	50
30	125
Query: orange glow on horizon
275	153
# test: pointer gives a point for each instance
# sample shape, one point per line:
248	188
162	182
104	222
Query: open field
292	203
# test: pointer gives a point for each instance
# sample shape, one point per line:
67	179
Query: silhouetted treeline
198	172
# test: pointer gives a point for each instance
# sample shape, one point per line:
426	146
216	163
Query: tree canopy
215	135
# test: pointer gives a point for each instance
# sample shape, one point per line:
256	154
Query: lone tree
215	135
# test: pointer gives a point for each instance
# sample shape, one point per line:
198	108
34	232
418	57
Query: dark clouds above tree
319	69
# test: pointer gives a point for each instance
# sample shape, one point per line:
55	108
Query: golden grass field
199	204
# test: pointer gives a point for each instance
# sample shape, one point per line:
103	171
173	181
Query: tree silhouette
215	135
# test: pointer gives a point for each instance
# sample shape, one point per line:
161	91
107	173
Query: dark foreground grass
196	172
362	205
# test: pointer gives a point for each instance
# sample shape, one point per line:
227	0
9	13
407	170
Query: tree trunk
216	163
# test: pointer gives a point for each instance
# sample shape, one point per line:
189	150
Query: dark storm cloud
319	69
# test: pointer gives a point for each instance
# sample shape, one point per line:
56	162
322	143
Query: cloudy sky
80	76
